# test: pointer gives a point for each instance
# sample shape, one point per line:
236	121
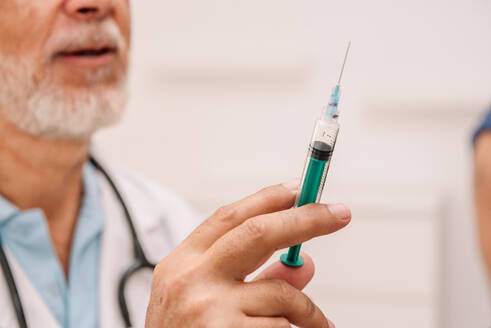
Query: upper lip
86	50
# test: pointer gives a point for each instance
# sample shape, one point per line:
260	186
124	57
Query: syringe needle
344	62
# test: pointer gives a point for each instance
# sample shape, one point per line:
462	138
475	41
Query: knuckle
158	271
317	209
225	213
287	223
255	228
304	217
318	215
176	286
201	305
285	292
309	307
161	271
269	194
294	218
263	190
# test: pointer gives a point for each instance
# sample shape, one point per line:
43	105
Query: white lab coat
162	221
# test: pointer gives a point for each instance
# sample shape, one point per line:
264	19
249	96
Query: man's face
63	64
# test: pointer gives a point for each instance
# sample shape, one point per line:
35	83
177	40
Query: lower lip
87	61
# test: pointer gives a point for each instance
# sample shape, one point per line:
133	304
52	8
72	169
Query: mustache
87	35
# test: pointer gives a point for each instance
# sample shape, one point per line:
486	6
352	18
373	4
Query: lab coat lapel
116	258
36	310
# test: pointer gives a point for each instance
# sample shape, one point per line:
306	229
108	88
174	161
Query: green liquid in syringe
320	155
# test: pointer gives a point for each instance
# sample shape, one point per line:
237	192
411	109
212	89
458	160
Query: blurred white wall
224	95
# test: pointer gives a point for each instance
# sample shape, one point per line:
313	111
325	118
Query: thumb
297	277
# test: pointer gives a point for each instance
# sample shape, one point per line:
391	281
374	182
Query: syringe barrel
317	163
314	174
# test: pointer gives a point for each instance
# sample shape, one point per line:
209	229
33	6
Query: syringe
318	160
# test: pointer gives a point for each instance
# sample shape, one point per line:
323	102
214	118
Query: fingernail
292	184
340	211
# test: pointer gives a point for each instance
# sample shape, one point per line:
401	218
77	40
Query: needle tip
344	62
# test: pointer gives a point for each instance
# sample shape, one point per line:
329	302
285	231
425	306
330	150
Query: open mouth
89	52
88	56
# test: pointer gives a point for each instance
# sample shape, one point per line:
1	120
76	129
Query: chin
58	105
68	114
75	114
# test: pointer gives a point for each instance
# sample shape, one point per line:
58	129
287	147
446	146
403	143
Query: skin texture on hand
202	283
482	193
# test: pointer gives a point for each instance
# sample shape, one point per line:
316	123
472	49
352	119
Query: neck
45	174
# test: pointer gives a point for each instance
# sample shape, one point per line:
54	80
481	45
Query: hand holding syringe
208	270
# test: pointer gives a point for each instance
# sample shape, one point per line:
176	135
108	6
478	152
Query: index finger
268	200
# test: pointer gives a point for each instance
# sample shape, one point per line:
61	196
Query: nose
88	9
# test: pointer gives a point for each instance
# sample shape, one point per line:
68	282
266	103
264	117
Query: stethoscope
141	261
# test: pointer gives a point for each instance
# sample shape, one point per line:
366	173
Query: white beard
49	110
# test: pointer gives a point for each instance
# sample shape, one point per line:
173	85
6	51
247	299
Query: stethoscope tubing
14	293
141	261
